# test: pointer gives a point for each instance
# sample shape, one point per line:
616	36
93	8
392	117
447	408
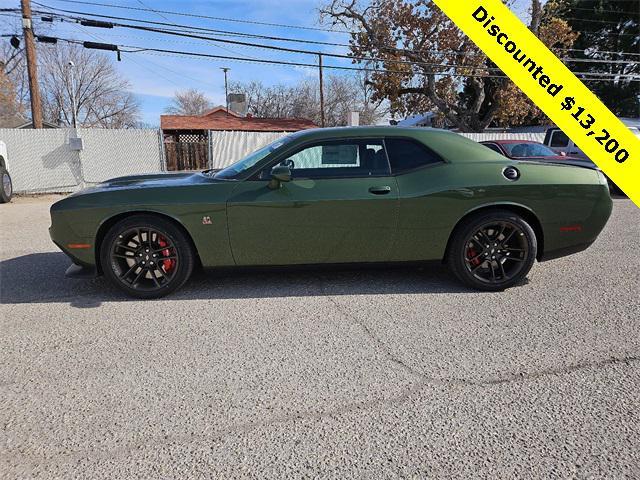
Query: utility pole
226	87
321	91
32	70
74	102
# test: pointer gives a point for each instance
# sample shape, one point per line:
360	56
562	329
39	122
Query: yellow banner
551	86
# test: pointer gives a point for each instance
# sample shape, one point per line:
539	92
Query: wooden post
322	122
32	69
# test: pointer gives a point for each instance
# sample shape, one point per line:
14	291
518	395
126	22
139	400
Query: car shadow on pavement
39	278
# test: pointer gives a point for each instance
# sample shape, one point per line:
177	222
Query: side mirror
279	173
563	154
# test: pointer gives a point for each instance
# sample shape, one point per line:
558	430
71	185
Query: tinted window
493	147
339	158
405	155
559	139
528	150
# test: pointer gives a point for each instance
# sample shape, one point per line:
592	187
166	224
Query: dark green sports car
335	196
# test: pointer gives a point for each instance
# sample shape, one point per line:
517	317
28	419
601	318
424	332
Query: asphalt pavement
377	373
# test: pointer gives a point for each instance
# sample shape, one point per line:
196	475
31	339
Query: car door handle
380	190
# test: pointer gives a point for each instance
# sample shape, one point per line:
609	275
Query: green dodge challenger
335	196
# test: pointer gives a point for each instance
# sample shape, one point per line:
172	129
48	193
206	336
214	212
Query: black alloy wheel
146	256
493	251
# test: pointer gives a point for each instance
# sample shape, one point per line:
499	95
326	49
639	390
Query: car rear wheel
6	186
492	251
147	256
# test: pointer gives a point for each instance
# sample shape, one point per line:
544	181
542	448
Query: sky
156	77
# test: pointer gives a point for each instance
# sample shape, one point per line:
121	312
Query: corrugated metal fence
44	160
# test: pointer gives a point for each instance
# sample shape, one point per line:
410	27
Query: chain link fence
50	160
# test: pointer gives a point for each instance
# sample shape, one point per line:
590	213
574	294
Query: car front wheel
492	251
147	256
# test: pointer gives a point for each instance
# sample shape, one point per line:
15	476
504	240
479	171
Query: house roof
217	119
220	108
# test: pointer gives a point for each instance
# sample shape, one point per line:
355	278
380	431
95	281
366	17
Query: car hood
152	180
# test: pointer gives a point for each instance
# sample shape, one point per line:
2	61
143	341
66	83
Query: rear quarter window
405	155
493	147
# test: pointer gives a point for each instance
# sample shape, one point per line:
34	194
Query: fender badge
207	221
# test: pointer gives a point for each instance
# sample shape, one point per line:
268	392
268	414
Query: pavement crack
512	378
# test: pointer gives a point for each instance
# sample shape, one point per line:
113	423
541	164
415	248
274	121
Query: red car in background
530	150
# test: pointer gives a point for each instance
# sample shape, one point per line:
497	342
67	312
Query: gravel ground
336	374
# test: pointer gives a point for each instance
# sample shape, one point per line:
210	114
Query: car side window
406	155
339	158
493	147
559	139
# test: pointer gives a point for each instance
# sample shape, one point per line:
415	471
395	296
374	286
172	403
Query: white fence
481	137
226	148
109	153
44	161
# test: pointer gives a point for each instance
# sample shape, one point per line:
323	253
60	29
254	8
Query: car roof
447	144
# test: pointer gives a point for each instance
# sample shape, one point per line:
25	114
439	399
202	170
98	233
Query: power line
351	57
157	12
139	49
599	10
267	37
290	50
287	39
193	15
315	53
596	21
251	22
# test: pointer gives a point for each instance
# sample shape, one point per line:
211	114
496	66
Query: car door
424	217
341	205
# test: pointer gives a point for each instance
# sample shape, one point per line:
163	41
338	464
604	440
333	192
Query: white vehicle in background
6	187
560	143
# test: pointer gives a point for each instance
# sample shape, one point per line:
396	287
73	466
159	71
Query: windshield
250	160
520	150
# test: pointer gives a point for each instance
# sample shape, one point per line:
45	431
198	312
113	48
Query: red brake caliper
471	254
167	264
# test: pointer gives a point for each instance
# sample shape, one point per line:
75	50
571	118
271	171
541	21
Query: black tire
147	256
6	186
493	250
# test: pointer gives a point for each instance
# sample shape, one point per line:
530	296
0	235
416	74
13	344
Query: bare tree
101	93
342	95
9	105
12	67
189	102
